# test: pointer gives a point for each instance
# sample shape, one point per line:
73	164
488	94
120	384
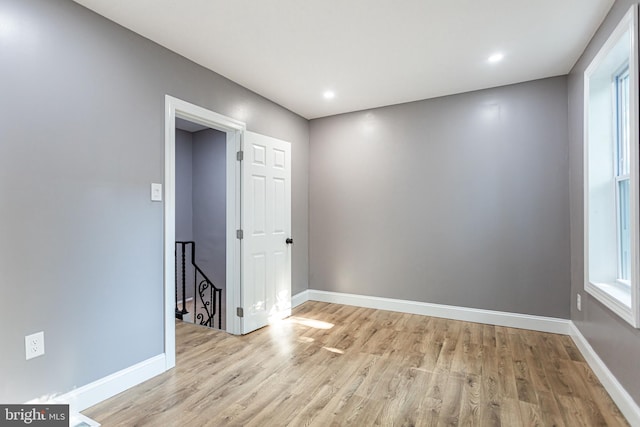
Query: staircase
207	297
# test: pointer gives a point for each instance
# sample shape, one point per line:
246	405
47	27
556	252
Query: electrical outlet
34	345
579	302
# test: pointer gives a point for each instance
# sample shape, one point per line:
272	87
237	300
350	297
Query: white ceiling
370	52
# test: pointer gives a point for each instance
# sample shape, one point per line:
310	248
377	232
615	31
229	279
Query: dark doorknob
289	241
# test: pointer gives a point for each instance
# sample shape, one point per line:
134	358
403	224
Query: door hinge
240	234
240	156
240	312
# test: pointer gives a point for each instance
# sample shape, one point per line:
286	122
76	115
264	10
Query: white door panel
266	221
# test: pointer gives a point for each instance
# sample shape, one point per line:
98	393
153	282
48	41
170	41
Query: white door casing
266	223
234	130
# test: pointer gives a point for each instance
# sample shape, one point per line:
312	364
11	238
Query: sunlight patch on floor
312	323
333	350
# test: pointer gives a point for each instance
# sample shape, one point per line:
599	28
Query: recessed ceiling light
496	57
329	94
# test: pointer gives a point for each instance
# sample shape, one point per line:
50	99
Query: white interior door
266	224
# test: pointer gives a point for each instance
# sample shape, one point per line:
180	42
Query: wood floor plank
451	402
471	400
580	412
549	410
510	414
336	365
506	373
537	361
524	383
397	407
411	406
531	414
358	411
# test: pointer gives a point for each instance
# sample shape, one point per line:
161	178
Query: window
611	172
621	88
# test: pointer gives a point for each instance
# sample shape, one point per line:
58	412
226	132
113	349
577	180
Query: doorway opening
200	209
216	133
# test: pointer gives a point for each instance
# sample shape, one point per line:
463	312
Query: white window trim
614	295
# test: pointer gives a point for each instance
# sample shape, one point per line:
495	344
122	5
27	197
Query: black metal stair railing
209	295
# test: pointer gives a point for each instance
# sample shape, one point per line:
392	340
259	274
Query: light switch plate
156	192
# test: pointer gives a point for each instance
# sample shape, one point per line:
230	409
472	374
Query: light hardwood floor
335	365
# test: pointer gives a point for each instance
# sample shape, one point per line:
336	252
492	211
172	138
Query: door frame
234	131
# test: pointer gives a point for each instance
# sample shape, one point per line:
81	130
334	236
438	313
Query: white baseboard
299	298
625	402
88	395
499	318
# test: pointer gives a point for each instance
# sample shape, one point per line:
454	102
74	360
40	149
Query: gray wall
82	138
209	204
184	207
617	343
184	185
460	200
